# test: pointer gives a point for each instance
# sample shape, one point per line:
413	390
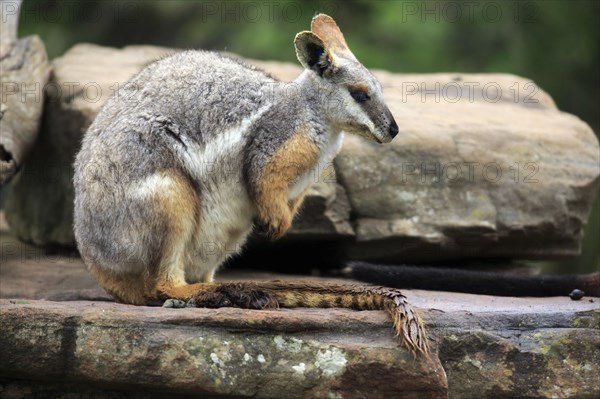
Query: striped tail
407	323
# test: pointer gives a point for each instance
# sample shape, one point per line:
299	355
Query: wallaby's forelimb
272	294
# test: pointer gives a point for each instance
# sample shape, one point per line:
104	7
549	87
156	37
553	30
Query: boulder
538	348
484	166
24	70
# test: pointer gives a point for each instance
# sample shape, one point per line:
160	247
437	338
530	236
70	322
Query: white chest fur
328	152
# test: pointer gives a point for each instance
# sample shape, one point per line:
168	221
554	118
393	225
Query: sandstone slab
543	349
224	353
489	347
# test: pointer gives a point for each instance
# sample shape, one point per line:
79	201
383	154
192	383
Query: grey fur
185	109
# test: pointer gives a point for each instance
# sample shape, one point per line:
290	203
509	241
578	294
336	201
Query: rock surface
24	70
490	347
484	166
476	177
326	211
261	354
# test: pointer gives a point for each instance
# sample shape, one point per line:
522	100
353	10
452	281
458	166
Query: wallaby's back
185	103
204	92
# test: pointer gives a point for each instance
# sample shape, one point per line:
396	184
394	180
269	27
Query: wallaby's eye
360	96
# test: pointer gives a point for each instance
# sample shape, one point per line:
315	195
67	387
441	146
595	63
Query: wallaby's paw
261	227
234	295
273	229
274	218
279	226
174	303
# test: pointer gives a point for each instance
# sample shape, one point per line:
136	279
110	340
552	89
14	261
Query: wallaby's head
353	95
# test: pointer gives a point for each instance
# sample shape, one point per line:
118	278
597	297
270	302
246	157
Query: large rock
24	70
224	353
490	347
522	348
484	166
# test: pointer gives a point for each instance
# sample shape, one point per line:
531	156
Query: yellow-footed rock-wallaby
197	148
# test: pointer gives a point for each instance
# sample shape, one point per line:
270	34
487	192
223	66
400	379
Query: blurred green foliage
552	42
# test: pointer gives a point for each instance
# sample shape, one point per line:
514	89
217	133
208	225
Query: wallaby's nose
393	129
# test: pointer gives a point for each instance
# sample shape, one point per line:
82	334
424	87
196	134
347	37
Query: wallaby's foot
174	303
234	295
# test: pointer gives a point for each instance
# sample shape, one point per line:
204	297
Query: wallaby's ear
312	53
325	27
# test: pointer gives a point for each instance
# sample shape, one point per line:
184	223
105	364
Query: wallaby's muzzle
393	128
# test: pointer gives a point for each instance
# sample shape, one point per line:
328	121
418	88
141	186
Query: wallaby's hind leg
181	208
126	288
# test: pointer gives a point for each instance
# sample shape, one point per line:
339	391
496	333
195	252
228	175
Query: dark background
552	42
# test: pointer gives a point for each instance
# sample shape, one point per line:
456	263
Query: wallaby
196	149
